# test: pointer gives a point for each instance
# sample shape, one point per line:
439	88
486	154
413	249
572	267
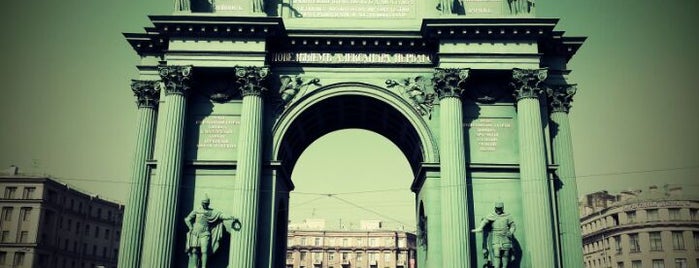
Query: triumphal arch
473	92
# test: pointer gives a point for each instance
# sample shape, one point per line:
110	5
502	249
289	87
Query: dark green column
161	221
449	84
536	204
247	181
567	196
135	212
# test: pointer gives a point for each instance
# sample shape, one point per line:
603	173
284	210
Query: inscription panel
370	9
213	137
492	140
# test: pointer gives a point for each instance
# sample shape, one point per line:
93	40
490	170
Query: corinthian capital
560	97
176	79
147	93
449	82
251	79
526	82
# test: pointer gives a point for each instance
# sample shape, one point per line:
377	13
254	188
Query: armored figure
205	232
502	228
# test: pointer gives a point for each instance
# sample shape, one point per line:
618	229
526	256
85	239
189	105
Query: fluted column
536	203
246	198
161	222
568	216
135	212
449	84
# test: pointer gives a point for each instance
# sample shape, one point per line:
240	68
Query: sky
67	109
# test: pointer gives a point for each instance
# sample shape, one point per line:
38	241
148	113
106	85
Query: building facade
45	223
656	228
350	248
474	93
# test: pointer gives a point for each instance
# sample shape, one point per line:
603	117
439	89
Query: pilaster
147	97
449	85
536	203
560	98
246	200
161	222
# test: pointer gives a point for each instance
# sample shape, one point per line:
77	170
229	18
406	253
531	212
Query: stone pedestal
246	199
161	221
567	196
135	211
533	177
449	84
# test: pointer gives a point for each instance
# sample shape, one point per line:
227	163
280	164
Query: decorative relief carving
176	79
450	82
251	79
291	86
560	97
415	89
526	82
147	93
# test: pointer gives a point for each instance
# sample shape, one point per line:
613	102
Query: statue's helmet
499	205
206	200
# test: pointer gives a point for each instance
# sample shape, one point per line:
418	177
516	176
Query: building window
659	263
23	236
652	214
106	234
97	231
674	214
331	256
360	242
87	229
693	214
7	213
316	241
303	241
620	264
678	240
25	213
386	256
617	244
360	257
28	192
5	237
633	243
345	242
372	242
656	241
10	192
303	255
345	256
631	216
696	240
636	264
19	258
680	263
289	256
3	256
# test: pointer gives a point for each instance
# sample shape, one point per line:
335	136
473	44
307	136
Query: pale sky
67	110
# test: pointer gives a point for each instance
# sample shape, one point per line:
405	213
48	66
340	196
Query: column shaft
455	227
569	217
246	198
135	211
159	242
535	188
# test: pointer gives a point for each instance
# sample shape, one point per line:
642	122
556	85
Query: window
28	192
87	229
97	231
10	192
345	256
617	244
620	264
345	242
289	256
3	256
23	236
331	256
652	214
106	235
659	263
360	257
680	263
387	256
631	216
77	228
693	214
7	213
25	213
19	258
360	242
94	250
303	241
636	264
5	237
678	240
674	214
656	241
696	240
303	255
316	241
104	252
633	243
372	242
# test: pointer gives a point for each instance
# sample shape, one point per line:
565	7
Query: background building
44	223
368	247
656	228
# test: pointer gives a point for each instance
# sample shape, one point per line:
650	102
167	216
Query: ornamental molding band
291	87
526	82
450	82
560	97
415	90
251	79
147	93
176	79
